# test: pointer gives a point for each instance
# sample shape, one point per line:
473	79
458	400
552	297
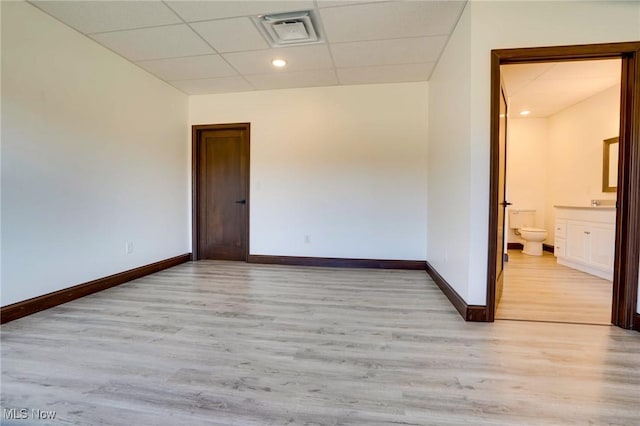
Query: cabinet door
602	246
560	246
577	241
561	229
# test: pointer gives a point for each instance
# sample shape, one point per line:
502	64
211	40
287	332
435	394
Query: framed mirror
610	165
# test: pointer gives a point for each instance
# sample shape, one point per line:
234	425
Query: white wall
0	157
527	160
450	210
576	137
94	155
495	25
344	165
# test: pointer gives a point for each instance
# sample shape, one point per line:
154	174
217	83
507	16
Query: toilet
523	223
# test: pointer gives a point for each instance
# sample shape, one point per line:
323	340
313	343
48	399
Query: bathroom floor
538	289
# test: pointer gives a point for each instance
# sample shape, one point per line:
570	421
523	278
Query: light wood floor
536	288
223	343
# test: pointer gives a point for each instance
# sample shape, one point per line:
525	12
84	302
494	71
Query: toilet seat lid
533	230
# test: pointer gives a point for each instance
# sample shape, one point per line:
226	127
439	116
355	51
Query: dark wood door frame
627	245
196	133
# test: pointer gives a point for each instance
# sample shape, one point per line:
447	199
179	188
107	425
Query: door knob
241	202
506	203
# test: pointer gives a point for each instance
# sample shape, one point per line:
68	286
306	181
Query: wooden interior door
502	191
221	186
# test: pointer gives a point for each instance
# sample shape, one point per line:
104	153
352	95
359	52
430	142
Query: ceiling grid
203	47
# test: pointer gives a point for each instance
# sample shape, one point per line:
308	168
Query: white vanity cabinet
585	239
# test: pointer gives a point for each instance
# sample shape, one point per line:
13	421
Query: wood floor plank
536	288
226	343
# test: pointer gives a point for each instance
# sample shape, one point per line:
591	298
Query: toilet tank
522	218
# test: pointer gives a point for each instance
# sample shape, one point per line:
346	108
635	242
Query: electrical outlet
307	239
128	247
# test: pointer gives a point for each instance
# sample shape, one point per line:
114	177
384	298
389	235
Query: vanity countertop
605	207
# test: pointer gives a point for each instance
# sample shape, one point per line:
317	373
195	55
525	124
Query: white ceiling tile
377	21
583	69
98	16
192	11
231	35
191	67
385	74
547	97
387	52
299	58
212	85
518	76
155	43
287	80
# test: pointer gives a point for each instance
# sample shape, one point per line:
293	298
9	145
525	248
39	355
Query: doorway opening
626	207
560	224
220	216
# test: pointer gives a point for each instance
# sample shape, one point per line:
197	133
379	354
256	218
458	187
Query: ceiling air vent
285	29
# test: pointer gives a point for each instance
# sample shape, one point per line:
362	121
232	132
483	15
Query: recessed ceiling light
525	112
279	63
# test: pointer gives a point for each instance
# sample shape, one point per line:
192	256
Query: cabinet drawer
561	229
560	247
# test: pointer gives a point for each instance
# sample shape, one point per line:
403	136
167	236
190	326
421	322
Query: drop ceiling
215	46
547	88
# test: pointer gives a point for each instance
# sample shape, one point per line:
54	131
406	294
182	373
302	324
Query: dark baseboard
636	321
46	301
518	246
476	313
334	262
